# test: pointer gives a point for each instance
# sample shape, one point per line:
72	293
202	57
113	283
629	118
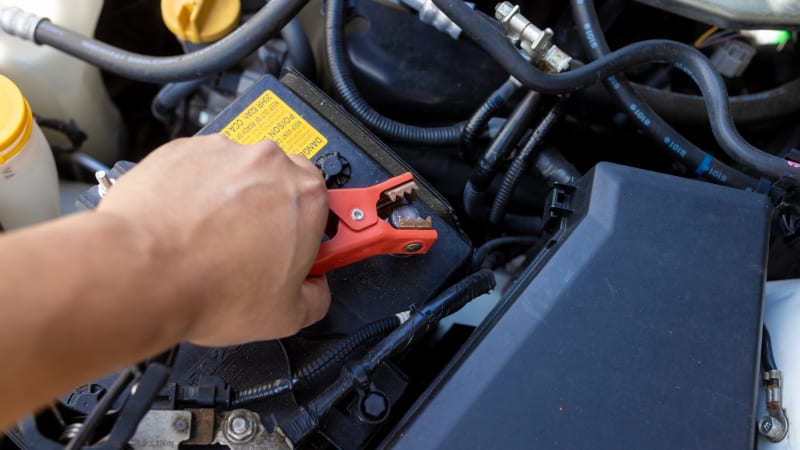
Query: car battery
302	120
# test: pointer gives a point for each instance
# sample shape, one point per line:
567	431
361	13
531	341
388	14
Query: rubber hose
170	96
217	57
521	162
489	246
479	120
477	186
553	167
523	225
698	161
745	109
685	58
300	53
345	88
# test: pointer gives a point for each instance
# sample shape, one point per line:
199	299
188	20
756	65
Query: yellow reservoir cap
16	120
200	21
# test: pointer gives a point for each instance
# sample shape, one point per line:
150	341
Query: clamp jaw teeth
406	191
418	223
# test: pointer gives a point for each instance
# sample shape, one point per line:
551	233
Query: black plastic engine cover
397	62
639	329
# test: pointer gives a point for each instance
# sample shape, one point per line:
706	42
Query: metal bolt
357	214
203	117
771	428
104	182
414	247
180	424
241	427
504	11
375	406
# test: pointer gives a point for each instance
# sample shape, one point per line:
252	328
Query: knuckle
263	151
313	189
217	140
267	146
314	185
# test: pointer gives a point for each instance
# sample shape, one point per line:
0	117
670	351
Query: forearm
80	298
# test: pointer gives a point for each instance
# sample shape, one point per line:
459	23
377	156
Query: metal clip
535	42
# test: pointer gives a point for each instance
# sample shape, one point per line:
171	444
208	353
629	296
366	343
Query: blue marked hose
683	57
680	148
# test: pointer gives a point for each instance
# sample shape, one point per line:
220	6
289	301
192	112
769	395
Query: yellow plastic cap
16	120
200	21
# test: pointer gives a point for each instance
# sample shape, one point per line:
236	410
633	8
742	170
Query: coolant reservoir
58	85
782	318
28	178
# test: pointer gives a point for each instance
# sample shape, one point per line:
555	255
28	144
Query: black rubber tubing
170	96
345	88
523	160
166	69
477	187
698	161
746	109
337	353
479	120
683	57
488	247
553	167
300	53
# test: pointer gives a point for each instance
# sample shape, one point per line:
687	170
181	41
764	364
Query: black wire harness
299	426
683	57
337	353
345	88
767	355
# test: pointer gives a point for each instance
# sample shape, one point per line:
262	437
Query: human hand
231	232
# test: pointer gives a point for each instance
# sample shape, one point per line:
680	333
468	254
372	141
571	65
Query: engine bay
553	224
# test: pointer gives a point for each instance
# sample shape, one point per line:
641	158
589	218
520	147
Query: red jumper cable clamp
376	220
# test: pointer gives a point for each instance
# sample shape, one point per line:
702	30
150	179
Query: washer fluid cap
200	21
16	119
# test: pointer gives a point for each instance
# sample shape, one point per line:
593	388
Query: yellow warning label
269	117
